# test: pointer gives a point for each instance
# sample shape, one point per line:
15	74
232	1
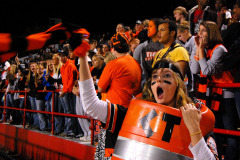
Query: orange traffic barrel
153	131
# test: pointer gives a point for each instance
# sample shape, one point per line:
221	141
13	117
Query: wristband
196	133
196	58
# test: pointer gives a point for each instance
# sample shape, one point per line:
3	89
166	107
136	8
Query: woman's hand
17	60
201	41
197	41
192	117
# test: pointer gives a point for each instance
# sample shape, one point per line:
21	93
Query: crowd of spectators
204	42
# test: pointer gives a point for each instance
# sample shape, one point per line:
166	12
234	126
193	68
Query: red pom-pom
81	50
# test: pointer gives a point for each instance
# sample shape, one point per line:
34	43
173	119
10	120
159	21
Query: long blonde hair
181	97
13	69
48	71
30	72
57	68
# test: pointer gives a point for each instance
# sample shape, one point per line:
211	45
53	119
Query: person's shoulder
192	9
71	65
111	65
220	48
142	45
180	48
129	59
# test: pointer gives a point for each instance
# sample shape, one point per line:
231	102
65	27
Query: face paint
167	82
153	83
152	30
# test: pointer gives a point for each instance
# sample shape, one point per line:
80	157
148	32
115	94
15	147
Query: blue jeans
237	99
9	103
49	109
69	106
42	117
58	107
34	117
227	118
21	105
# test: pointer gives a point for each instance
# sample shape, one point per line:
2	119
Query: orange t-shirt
122	80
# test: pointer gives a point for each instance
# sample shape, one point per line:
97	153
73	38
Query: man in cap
69	76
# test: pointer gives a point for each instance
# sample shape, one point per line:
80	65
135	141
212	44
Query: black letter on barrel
171	121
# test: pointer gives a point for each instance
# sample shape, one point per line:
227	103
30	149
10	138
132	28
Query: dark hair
171	26
92	41
156	21
165	63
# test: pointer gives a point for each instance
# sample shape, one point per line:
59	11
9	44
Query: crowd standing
203	42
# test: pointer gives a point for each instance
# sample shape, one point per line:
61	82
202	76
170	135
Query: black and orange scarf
11	44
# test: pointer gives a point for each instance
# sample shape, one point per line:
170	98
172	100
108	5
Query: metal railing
92	127
52	113
225	85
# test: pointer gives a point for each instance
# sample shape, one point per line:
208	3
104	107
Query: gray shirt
144	54
212	66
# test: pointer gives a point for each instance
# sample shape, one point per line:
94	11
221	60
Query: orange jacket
69	74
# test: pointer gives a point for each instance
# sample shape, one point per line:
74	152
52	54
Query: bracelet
196	133
196	58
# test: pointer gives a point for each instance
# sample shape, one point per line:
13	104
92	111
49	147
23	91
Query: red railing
226	85
92	127
52	113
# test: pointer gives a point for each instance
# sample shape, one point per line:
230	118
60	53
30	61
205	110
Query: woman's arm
192	117
24	71
92	105
214	65
202	152
194	65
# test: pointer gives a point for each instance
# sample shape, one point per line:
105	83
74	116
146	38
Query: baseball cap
6	65
138	22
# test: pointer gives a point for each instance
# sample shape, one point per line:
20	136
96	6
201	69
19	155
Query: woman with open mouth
166	87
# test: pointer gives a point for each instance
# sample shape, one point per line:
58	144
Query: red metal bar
4	108
225	85
52	121
92	128
225	131
24	109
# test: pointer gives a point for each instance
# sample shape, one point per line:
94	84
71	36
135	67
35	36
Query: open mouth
159	92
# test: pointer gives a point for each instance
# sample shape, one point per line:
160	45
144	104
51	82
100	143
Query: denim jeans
58	107
227	118
34	117
9	103
69	106
49	109
21	105
237	99
42	117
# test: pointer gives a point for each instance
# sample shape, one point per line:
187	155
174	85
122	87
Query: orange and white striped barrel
153	131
